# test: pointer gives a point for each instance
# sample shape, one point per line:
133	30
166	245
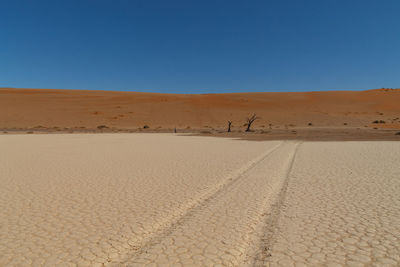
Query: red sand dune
25	108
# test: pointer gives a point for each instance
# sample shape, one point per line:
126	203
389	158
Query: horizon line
241	92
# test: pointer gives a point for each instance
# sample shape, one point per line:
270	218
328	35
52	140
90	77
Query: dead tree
250	121
229	126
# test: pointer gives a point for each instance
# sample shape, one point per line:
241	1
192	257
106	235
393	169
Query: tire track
270	225
220	228
169	223
341	207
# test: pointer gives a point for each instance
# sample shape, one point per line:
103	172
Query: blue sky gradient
200	46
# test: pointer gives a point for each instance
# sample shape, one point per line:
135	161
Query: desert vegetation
229	126
250	121
101	127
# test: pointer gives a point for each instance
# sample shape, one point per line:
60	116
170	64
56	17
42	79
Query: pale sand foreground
342	206
132	199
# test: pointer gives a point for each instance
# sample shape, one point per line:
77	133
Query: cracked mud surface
133	200
222	229
342	207
93	199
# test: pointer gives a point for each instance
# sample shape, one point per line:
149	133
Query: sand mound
28	108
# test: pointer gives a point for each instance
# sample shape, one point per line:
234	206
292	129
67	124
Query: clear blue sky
200	46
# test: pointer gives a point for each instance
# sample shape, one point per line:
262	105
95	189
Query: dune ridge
50	108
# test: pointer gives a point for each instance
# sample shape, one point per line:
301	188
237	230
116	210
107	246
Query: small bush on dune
398	133
101	127
146	127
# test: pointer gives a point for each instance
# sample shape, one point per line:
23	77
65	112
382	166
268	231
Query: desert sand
342	206
153	199
80	109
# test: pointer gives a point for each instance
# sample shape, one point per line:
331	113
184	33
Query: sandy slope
27	108
131	199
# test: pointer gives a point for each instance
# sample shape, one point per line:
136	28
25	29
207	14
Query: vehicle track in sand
225	226
342	207
168	222
91	200
262	251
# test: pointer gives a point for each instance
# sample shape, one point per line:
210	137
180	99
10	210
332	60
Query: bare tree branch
229	126
250	121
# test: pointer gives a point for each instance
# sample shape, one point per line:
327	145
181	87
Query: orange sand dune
24	108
